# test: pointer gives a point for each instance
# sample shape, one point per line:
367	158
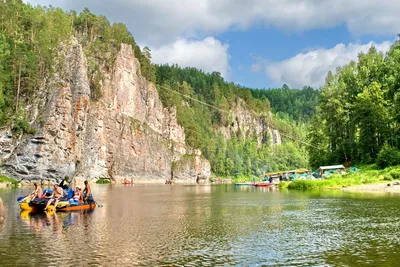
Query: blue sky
275	45
256	43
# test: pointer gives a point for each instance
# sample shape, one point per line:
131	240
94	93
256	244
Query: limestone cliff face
246	124
126	133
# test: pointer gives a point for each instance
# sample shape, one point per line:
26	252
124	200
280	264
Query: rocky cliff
246	124
125	133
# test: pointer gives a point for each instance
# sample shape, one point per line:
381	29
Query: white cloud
208	54
311	68
155	22
163	24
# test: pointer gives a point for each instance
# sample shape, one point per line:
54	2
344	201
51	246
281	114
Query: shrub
8	179
388	156
22	126
395	174
387	177
103	181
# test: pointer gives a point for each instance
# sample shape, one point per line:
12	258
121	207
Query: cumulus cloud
208	54
155	22
168	23
311	68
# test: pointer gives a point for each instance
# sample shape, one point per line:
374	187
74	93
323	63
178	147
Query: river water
218	225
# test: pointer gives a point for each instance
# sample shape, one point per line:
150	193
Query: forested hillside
30	38
29	41
359	112
237	156
299	104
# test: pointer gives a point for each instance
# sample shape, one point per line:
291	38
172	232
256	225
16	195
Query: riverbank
7	182
368	179
393	187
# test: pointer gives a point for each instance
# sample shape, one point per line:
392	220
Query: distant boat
244	184
263	184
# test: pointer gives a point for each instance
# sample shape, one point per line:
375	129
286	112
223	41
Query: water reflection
57	222
2	214
206	225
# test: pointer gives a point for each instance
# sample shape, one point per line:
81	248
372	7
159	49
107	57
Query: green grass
368	174
4	179
242	178
283	185
103	181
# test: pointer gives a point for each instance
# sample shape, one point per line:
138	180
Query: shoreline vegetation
7	181
368	179
367	175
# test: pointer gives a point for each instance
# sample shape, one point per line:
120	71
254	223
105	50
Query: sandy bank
389	187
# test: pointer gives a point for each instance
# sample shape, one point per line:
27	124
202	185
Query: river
218	225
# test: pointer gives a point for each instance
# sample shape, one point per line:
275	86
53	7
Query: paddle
19	199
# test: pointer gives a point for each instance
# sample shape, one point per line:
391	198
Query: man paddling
87	192
37	192
55	196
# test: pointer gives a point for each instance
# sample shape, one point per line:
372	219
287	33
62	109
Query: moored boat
244	184
263	184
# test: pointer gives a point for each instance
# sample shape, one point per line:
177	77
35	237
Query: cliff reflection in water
176	225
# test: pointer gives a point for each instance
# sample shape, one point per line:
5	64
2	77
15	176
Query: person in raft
87	192
37	192
65	183
77	196
55	196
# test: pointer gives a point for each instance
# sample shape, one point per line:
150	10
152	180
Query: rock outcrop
192	167
125	133
246	124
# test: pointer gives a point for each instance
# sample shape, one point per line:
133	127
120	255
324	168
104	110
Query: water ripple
206	226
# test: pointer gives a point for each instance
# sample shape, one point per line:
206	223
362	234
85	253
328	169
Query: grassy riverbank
236	179
5	179
368	174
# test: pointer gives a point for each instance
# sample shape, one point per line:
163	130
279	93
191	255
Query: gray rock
126	133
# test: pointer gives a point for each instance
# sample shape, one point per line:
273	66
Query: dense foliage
298	104
359	112
29	41
238	156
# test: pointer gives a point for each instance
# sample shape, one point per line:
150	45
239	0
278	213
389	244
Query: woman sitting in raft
77	196
37	192
55	196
